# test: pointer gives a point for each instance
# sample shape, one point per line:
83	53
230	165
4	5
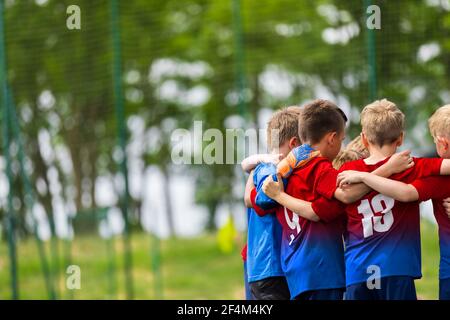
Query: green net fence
86	111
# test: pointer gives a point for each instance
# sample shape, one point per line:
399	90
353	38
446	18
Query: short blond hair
355	150
285	121
439	122
382	122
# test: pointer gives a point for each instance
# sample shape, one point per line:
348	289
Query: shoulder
318	169
353	165
318	164
264	167
312	168
263	170
427	161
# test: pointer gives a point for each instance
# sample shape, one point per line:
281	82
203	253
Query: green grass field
191	269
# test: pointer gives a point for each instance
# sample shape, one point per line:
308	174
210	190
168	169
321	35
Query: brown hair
318	118
282	126
355	150
382	122
439	122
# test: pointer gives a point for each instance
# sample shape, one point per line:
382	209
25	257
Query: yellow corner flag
226	235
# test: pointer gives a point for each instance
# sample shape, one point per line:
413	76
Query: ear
294	142
400	139
444	141
332	136
364	140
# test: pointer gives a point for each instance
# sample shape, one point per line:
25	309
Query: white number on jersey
379	204
294	224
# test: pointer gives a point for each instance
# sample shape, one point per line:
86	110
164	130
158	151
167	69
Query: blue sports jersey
383	235
264	236
261	172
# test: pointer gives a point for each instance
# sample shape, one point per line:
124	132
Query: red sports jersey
438	188
383	232
312	252
316	183
244	253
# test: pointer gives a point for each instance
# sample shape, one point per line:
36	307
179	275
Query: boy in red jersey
436	188
378	247
313	253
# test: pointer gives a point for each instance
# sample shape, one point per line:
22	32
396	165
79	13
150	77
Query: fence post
239	56
371	55
9	218
29	196
122	135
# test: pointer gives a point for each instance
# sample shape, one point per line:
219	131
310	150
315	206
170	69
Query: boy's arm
445	167
395	189
248	189
274	190
397	163
321	209
259	211
446	204
250	163
299	207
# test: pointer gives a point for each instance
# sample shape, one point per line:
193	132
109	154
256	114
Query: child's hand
273	188
447	206
349	177
400	162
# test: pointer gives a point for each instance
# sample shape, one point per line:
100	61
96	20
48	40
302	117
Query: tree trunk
212	206
168	201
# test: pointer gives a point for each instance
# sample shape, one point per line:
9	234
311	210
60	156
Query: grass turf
190	268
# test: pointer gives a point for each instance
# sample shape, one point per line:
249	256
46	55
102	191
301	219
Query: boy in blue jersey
265	275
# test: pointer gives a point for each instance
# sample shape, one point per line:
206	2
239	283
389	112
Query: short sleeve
425	167
344	167
244	253
260	211
328	210
326	181
437	187
261	172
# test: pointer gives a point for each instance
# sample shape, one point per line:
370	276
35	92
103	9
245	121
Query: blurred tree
294	51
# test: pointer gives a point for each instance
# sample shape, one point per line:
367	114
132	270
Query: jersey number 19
380	223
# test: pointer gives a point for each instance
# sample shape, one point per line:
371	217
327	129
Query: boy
383	236
313	253
265	275
436	188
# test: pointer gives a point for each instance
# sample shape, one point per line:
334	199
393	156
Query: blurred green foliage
62	79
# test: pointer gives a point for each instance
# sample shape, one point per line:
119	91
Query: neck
380	153
320	147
